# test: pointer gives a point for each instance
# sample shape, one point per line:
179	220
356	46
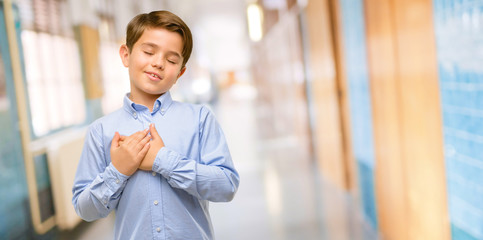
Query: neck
146	100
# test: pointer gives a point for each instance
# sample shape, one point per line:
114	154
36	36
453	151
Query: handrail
39	226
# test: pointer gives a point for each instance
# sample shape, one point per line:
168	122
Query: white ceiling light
255	20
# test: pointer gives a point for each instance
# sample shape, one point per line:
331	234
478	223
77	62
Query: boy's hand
127	156
156	144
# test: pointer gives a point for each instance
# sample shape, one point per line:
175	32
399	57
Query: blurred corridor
347	120
281	196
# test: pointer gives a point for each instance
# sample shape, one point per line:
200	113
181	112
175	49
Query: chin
155	92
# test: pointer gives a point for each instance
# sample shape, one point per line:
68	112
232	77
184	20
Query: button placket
155	199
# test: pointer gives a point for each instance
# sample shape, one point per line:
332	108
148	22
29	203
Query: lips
154	76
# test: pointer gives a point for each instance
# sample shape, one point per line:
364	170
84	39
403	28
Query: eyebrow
156	46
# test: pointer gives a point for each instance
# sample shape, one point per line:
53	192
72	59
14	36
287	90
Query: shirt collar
161	105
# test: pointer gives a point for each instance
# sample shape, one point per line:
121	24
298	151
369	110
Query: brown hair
160	19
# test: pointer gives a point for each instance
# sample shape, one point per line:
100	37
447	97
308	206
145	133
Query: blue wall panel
359	100
14	215
459	37
15	219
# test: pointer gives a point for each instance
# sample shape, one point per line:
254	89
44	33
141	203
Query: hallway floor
280	197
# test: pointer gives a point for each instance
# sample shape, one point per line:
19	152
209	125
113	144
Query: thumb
154	132
115	140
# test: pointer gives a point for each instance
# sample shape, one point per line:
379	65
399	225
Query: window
115	76
52	66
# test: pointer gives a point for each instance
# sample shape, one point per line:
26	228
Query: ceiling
219	30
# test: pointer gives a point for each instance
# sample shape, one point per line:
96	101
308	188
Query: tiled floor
280	197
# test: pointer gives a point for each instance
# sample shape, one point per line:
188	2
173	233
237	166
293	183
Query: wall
15	210
409	169
458	36
12	177
354	46
15	220
280	82
325	92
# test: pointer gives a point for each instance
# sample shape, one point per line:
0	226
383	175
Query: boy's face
154	62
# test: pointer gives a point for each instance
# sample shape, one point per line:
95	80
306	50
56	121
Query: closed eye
148	53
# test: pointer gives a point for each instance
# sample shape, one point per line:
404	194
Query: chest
179	133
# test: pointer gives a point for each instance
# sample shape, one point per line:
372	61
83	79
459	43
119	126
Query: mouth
153	76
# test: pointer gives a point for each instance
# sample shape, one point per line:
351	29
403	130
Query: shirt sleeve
98	184
214	177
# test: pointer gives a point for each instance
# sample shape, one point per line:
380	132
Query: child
156	161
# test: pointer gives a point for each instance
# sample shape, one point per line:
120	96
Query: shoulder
199	111
190	108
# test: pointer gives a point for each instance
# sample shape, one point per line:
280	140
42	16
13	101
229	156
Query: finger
115	141
143	142
153	131
146	139
122	139
143	151
136	137
141	134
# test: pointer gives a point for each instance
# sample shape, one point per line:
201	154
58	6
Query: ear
181	72
124	54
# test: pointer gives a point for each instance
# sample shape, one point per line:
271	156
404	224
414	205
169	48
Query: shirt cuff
165	162
114	179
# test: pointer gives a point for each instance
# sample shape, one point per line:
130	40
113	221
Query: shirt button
117	181
135	114
154	174
158	229
156	202
162	109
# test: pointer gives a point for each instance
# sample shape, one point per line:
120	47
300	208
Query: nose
158	63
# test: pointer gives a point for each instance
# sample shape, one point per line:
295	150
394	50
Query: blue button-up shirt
171	201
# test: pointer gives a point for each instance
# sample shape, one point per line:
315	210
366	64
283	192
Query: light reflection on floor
281	196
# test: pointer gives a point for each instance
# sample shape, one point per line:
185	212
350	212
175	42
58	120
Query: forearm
217	182
98	198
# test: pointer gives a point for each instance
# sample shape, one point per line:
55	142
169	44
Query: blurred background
346	119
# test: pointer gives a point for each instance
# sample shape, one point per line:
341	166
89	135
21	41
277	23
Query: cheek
135	66
131	73
177	74
138	61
